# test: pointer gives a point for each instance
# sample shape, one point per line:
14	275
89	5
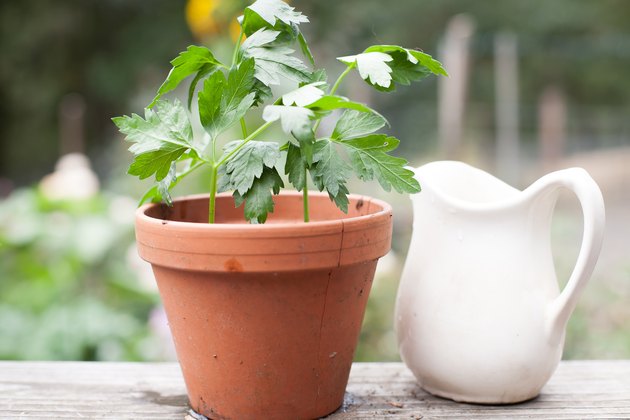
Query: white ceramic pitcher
479	315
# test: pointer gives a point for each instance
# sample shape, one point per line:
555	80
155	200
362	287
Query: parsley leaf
384	66
273	60
305	49
223	102
415	57
262	91
355	124
159	139
195	59
330	172
304	95
370	160
294	167
332	102
258	199
279	16
156	162
248	164
372	67
268	13
319	75
294	119
161	191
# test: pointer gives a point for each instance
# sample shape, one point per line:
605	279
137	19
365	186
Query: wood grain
79	390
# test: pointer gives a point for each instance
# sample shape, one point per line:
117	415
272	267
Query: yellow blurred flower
200	17
234	29
211	17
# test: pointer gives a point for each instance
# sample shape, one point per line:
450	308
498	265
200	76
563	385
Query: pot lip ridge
281	246
276	227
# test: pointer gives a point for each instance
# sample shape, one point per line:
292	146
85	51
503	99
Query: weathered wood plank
69	390
579	390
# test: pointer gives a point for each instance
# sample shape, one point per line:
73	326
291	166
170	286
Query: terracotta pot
265	318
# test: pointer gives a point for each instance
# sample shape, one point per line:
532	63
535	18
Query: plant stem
315	127
245	141
213	193
340	78
305	196
214	168
236	48
333	90
187	172
243	127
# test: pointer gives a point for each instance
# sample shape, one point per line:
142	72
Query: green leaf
332	102
151	195
341	199
294	119
415	57
279	16
274	14
195	59
372	67
258	199
161	190
271	10
193	85
370	160
305	49
384	66
262	91
248	163
272	60
304	95
355	124
159	139
223	102
156	162
330	172
294	167
319	75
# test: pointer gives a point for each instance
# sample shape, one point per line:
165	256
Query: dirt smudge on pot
232	265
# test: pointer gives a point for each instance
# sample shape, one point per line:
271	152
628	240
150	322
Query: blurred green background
71	284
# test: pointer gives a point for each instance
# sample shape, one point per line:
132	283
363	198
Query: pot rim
279	246
267	228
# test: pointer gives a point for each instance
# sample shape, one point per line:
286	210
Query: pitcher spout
461	186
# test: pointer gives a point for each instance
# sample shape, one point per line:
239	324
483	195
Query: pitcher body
479	316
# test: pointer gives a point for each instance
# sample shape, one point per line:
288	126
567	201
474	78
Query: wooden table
79	390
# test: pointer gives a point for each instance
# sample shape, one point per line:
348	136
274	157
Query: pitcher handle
592	202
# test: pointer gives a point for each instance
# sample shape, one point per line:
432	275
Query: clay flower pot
265	318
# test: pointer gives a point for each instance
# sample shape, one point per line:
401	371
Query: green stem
340	78
333	90
215	168
315	127
187	172
245	141
237	47
243	127
213	194
305	196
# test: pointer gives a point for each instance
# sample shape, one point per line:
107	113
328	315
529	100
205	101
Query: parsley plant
164	147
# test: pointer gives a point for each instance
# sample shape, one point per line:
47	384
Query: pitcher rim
517	198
